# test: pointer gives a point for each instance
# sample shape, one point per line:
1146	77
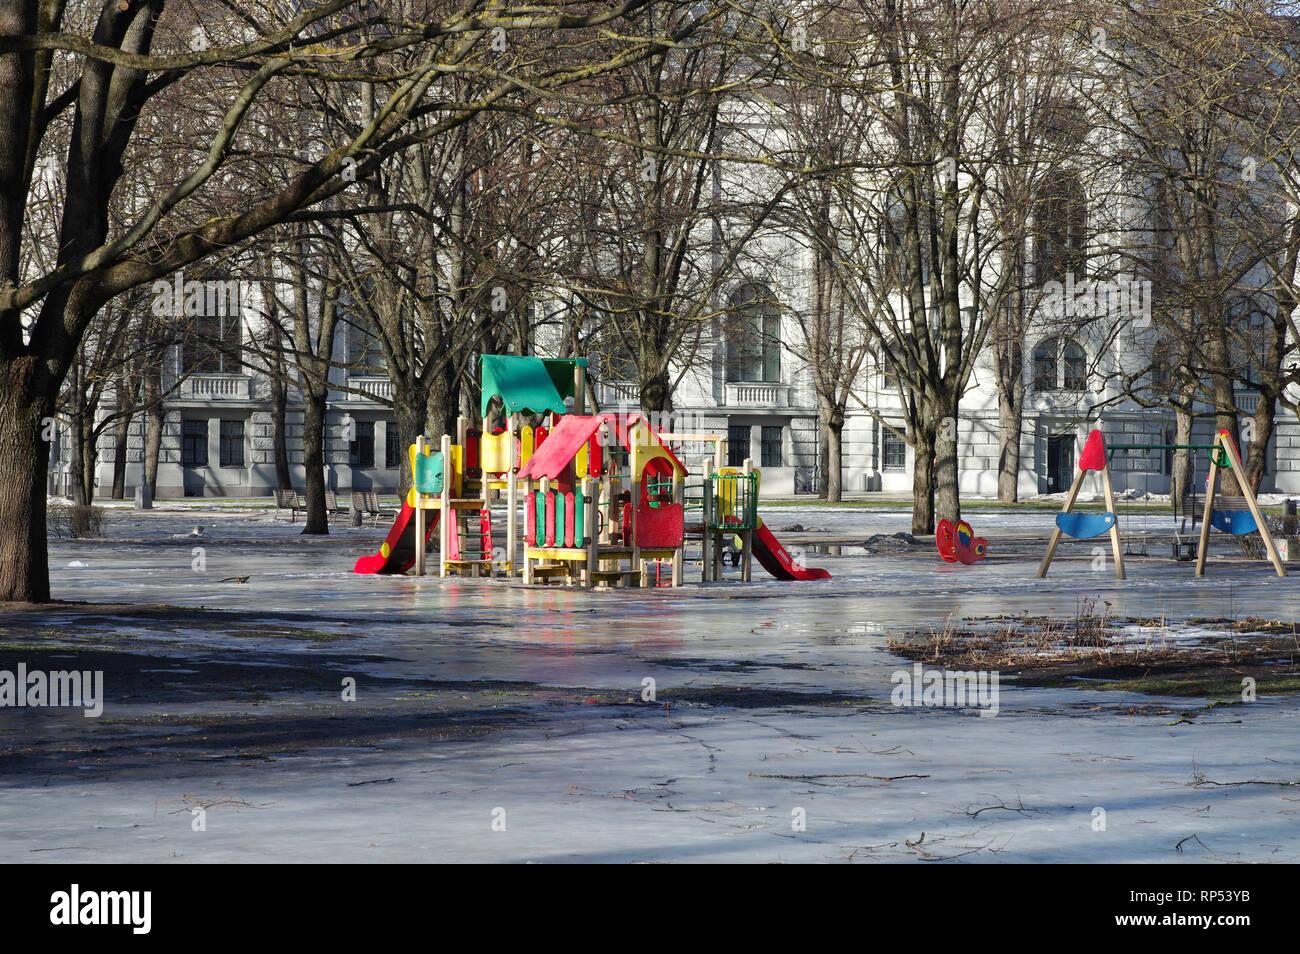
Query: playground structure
604	496
1236	515
957	542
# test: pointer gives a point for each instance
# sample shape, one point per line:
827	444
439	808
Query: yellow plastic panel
494	453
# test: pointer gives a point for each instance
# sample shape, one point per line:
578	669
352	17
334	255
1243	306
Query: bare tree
113	64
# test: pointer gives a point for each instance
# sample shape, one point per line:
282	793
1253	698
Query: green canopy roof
527	385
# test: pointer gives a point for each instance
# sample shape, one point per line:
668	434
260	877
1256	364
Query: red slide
397	554
776	559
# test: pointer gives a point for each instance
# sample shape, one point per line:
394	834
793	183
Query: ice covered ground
778	717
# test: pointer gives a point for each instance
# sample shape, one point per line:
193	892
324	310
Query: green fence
735	502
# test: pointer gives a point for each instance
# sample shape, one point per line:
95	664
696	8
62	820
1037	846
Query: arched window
1074	366
753	335
1060	231
1060	364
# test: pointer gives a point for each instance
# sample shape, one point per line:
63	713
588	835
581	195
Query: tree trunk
89	456
923	481
823	457
656	391
443	405
1009	359
313	456
947	489
1221	381
279	432
76	463
153	433
1256	459
832	416
410	407
121	434
1225	419
151	395
1180	481
1010	422
24	460
835	459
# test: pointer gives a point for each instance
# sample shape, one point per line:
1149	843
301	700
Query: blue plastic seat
1236	522
1081	526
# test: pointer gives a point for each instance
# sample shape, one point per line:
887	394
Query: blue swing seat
1081	526
1236	522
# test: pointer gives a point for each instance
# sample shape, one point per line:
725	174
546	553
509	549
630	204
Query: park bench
367	502
332	506
290	501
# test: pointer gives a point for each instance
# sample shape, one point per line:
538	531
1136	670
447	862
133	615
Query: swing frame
1116	548
1225	449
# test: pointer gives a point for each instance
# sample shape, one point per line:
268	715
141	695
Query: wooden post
512	498
579	389
1234	458
706	508
1116	550
420	446
528	561
446	519
590	493
1211	484
634	495
679	497
747	538
1057	533
613	481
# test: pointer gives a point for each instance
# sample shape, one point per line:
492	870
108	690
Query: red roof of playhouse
573	430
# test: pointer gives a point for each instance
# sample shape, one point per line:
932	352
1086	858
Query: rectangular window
771	348
893	450
771	450
754	338
361	452
737	444
392	446
365	350
194	443
212	345
232	443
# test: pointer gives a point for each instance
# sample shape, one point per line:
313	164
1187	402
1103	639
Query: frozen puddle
771	736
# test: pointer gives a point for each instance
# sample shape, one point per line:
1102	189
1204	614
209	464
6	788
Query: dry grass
1088	633
1094	635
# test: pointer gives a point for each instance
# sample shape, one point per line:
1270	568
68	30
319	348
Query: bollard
1290	530
143	498
354	517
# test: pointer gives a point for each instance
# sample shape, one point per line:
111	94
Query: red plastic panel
662	526
1094	452
945	538
568	520
471	451
530	519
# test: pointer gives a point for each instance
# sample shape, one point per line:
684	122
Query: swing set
1234	515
